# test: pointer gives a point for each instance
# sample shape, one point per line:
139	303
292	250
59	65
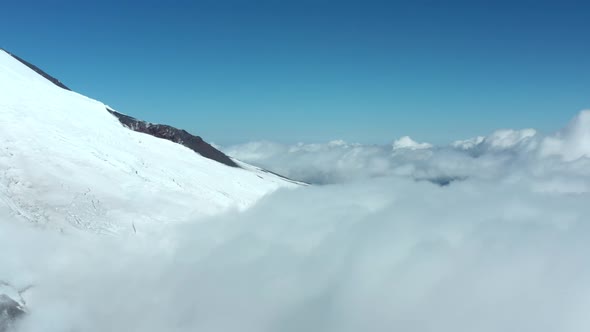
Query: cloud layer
500	154
505	249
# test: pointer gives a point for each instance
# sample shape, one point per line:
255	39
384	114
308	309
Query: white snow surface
65	161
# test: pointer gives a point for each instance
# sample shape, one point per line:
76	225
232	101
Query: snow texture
65	161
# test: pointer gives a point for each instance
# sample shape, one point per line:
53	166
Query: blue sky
289	71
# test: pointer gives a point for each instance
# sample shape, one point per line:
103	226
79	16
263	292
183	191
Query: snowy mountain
68	160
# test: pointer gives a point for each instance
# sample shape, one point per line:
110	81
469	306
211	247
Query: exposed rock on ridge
175	135
12	306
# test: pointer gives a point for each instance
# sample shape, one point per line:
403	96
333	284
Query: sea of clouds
486	234
502	154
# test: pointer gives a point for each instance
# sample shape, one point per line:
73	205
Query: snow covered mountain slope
66	161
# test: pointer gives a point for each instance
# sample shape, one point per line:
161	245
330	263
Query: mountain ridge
162	131
179	136
38	70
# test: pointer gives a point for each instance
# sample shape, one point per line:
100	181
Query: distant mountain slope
66	161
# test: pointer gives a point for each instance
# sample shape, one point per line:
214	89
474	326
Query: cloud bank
505	249
503	152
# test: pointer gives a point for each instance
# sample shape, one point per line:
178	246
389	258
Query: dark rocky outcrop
10	311
442	180
38	71
175	135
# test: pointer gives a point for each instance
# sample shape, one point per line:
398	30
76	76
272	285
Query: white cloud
573	142
406	142
468	143
503	250
379	255
508	139
513	152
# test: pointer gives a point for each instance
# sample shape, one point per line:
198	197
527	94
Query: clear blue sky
364	71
